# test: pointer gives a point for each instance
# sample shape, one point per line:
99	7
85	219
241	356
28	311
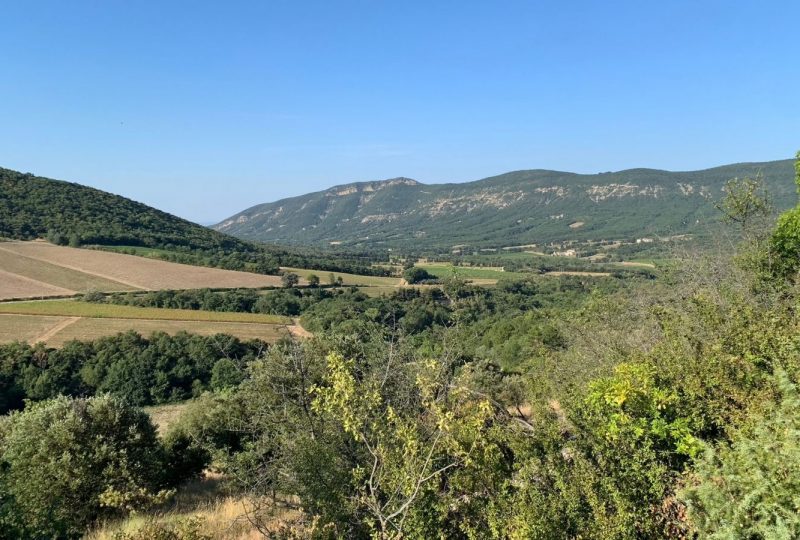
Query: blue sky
206	108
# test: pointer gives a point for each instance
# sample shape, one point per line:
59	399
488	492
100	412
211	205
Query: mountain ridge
516	207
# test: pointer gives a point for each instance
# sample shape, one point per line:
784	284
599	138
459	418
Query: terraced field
38	269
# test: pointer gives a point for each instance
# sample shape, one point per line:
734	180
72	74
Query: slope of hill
32	206
515	208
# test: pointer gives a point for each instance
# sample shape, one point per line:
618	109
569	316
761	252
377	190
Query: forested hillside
33	207
516	208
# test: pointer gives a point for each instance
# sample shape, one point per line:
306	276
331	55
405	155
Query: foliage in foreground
145	371
66	463
750	487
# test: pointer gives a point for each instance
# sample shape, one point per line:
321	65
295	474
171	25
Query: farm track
55	330
296	330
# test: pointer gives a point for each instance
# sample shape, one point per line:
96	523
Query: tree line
143	371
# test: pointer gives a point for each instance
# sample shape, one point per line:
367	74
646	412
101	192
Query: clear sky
206	108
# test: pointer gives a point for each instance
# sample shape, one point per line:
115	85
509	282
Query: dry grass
223	513
348	279
75	308
89	329
57	276
138	272
163	416
26	327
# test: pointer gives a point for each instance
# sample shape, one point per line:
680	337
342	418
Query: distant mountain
516	208
32	207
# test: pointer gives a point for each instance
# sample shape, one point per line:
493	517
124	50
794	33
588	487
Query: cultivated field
348	279
468	272
83	269
89	329
74	308
58	276
55	322
16	286
26	327
489	276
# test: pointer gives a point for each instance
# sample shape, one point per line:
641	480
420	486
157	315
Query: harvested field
16	286
57	276
26	327
57	321
74	308
88	329
137	272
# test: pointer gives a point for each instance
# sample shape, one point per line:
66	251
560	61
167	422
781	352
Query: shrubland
572	408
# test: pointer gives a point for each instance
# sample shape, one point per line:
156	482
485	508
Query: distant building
565	253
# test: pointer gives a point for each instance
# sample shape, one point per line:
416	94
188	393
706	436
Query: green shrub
65	463
417	275
749	488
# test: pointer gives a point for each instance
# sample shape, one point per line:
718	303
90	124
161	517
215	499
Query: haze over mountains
520	207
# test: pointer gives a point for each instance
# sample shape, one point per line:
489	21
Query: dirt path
55	330
55	288
77	269
298	331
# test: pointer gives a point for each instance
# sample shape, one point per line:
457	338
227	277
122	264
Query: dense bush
416	275
749	488
66	463
144	371
288	302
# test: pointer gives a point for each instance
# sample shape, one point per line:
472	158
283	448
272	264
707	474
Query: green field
444	271
75	308
348	279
